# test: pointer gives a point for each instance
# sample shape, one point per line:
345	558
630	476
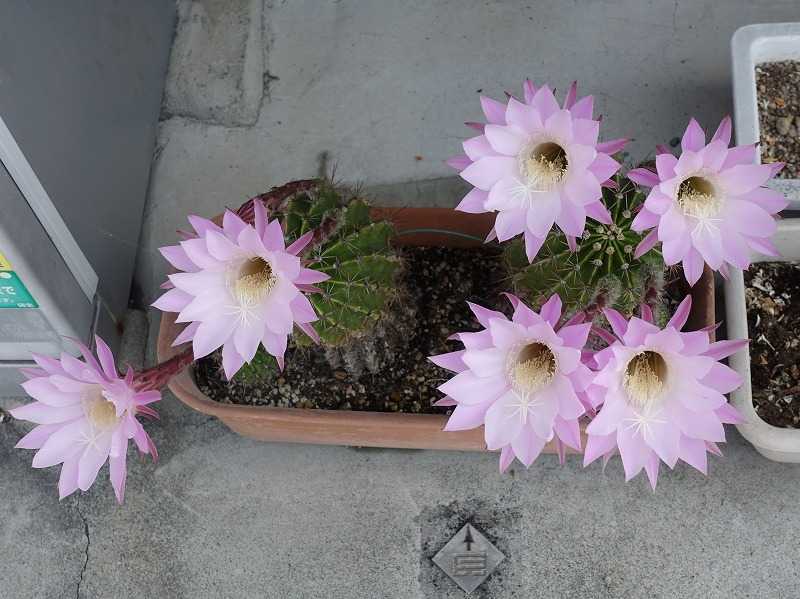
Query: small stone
779	102
783	124
340	374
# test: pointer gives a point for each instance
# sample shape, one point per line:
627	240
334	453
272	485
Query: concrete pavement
263	92
223	516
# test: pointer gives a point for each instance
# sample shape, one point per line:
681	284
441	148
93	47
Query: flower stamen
100	411
543	166
533	368
254	281
697	197
645	378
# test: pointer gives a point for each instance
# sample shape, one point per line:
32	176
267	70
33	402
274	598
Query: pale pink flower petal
694	452
37	437
176	256
598	446
232	224
493	110
173	300
466	417
118	474
202	225
506	457
527	448
643	176
532	245
741	155
232	360
694	138
612	146
452	361
84	434
538	165
458	162
665	166
723	132
708	205
478	147
598	212
647	243
661	394
68	480
474	202
241	285
519	378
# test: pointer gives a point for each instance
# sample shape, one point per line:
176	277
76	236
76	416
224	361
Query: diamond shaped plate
468	558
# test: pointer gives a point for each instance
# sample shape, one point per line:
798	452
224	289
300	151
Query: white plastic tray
750	46
779	444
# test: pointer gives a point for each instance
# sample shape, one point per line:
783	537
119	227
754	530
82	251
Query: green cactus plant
602	272
360	307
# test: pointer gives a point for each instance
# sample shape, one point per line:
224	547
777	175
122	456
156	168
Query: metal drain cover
468	558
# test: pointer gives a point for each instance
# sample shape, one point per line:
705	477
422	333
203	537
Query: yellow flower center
544	165
698	197
101	412
533	368
254	281
645	378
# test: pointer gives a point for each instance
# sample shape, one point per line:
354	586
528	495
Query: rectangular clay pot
415	227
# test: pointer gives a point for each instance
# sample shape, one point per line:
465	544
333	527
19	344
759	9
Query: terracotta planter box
415	227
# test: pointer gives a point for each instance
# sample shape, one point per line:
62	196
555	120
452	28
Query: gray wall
80	90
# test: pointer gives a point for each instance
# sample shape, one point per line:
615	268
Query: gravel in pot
778	92
773	319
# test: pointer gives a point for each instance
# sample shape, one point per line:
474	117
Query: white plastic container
779	444
750	46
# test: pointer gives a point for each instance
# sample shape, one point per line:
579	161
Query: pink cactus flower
85	413
519	378
661	392
537	164
240	287
708	206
